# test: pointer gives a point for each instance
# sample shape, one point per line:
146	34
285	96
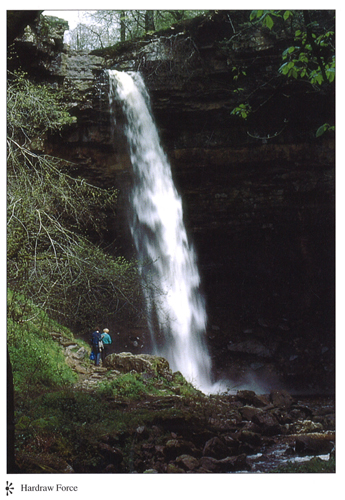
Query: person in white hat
106	343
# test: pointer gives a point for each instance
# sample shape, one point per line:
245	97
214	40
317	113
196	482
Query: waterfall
167	262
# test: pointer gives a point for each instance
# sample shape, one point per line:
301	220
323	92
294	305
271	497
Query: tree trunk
122	26
149	20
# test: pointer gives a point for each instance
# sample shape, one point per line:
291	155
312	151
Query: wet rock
215	448
187	462
174	469
248	412
283	417
301	412
250	398
250	437
316	444
231	444
282	399
268	423
327	421
228	464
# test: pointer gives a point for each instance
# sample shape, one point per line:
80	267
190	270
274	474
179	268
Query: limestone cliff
258	193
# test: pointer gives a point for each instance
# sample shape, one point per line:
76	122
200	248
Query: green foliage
316	465
301	61
238	72
33	109
37	361
70	425
311	57
104	28
324	128
128	386
50	258
135	386
264	16
51	219
242	110
63	424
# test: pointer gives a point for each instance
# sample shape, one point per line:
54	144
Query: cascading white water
176	310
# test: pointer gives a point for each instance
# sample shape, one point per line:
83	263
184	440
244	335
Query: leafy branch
311	57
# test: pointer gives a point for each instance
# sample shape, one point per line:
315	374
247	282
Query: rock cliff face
258	193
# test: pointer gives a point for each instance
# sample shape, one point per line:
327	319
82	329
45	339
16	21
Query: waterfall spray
176	309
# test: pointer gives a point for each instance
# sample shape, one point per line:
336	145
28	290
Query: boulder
187	462
250	398
228	464
215	448
248	412
173	469
281	399
267	422
176	447
125	362
232	445
250	437
315	444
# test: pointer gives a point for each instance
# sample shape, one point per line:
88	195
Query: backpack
96	339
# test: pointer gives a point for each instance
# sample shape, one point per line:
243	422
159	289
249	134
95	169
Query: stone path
89	375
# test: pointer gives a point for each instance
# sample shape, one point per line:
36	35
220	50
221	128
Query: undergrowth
316	465
136	386
69	425
56	425
38	362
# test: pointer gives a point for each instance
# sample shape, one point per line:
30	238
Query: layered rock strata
258	193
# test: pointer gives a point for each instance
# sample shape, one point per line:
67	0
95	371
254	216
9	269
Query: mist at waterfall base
167	262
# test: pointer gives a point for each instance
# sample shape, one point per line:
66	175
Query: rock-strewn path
89	375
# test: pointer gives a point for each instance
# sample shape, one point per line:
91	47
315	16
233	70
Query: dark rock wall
258	194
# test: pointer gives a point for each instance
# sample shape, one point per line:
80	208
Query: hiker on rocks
96	338
106	343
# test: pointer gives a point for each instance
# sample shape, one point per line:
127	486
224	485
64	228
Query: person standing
106	343
95	340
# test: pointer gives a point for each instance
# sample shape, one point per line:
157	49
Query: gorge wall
258	193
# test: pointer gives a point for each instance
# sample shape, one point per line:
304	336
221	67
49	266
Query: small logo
9	488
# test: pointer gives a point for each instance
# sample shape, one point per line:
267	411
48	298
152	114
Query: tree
311	57
104	28
122	26
51	259
149	20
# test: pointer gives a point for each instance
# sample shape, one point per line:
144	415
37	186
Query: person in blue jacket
106	343
95	340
